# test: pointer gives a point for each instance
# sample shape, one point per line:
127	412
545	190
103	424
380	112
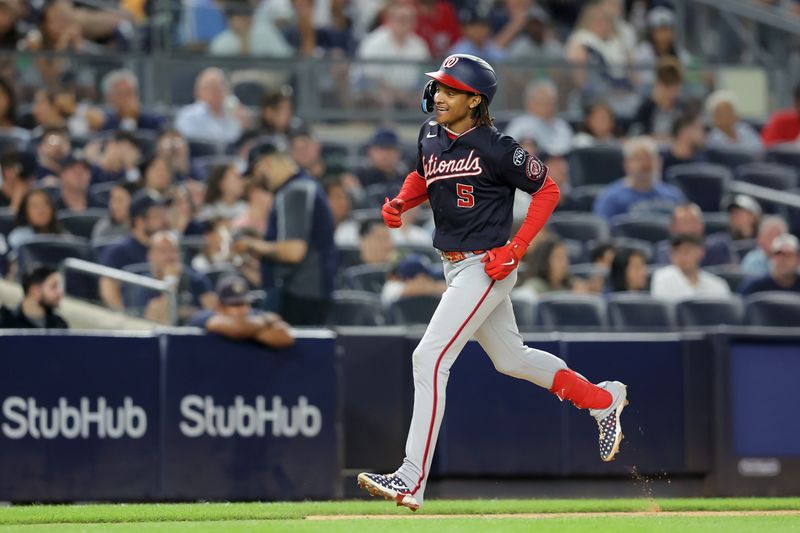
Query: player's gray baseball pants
473	305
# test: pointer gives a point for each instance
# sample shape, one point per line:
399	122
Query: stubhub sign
166	417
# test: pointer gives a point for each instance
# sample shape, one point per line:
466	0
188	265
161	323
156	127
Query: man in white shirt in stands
684	278
210	117
551	133
394	40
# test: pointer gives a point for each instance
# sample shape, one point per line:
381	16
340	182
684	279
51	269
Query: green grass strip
119	513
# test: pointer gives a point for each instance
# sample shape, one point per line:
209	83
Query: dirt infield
537	516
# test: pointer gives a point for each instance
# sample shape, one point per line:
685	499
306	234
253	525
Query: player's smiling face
454	107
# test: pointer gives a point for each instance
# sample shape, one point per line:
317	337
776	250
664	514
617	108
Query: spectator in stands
628	271
306	151
551	133
36	216
622	28
224	190
395	40
245	36
10	15
437	24
384	167
259	203
658	43
640	191
548	271
119	160
595	43
537	40
148	216
117	222
413	275
783	126
54	145
216	250
201	21
684	278
476	37
173	148
744	216
599	126
602	254
182	211
16	179
9	122
42	290
234	318
756	261
156	176
783	270
210	117
688	142
375	243
193	290
276	115
121	93
687	219
346	228
74	178
659	110
728	131
298	256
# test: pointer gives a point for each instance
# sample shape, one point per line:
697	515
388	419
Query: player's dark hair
619	266
36	276
481	114
683	121
539	262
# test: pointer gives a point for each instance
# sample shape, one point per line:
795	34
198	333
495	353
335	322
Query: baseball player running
469	171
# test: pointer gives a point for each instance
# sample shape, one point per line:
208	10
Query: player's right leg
500	338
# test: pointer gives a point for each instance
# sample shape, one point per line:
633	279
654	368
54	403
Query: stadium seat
774	308
578	226
582	198
102	191
784	154
426	251
51	250
742	246
7	218
701	312
731	157
412	310
639	311
249	92
595	165
565	310
650	229
732	274
716	222
702	183
81	224
99	245
576	250
524	313
770	175
368	278
355	308
348	256
8	140
202	165
198	148
645	247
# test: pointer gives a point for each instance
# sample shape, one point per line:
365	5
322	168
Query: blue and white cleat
390	487
608	419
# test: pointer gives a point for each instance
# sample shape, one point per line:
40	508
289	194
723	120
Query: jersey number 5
465	198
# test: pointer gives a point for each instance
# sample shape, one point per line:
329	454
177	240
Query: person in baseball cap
235	318
784	264
413	275
745	214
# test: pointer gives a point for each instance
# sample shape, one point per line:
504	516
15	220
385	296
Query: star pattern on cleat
389	481
608	435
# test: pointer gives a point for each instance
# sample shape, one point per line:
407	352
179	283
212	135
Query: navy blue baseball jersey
471	181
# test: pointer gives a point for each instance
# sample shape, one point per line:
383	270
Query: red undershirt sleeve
542	205
414	191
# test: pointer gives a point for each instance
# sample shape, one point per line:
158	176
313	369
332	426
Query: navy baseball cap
144	200
385	138
264	147
233	290
413	265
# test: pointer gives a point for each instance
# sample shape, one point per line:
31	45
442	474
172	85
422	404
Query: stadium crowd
645	206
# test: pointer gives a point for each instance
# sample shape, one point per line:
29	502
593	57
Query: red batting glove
501	261
391	212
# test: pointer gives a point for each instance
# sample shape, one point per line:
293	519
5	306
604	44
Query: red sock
568	385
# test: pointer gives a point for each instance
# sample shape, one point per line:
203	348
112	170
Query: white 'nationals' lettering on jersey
440	169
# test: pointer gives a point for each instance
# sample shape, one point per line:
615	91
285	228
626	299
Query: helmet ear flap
427	97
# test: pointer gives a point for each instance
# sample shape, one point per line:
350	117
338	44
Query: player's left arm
526	172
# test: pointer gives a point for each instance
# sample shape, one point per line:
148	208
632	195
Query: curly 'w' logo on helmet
450	62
